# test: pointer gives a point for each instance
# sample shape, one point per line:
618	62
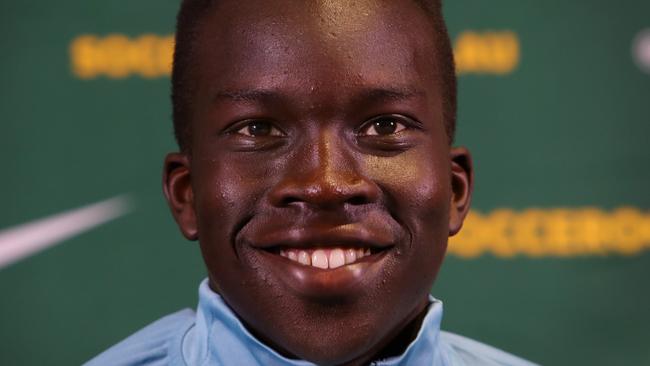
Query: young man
316	171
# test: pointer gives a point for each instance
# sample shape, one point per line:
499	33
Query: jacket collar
219	338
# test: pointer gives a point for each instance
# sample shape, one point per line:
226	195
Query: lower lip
326	283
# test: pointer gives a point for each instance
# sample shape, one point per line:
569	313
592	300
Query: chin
349	344
340	332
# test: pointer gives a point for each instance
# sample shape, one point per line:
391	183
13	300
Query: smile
325	258
323	262
326	272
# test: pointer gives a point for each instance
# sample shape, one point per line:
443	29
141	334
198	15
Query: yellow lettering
554	232
486	53
117	56
150	56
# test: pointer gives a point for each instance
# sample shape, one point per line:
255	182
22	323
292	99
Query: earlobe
462	184
177	187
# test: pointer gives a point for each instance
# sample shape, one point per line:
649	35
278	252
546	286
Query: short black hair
189	16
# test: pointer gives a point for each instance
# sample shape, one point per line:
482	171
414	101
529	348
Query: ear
462	184
177	187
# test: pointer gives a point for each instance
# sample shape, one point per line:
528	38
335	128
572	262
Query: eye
382	126
259	129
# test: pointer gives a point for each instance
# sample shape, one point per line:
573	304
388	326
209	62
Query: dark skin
320	125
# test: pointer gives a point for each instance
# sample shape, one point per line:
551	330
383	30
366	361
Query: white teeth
350	256
304	258
337	258
325	258
319	259
292	255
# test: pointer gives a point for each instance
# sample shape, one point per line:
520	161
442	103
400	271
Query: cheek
417	187
225	197
226	191
414	183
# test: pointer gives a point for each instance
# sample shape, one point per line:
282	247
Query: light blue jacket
215	336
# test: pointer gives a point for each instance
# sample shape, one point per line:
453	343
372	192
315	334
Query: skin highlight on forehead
263	42
331	20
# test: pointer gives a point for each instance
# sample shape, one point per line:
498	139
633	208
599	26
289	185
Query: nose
324	174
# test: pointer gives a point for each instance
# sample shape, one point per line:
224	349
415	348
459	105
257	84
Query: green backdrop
554	103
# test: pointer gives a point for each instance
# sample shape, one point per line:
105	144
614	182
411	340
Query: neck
396	342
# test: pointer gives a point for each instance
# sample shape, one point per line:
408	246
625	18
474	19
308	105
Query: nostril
286	201
324	194
357	200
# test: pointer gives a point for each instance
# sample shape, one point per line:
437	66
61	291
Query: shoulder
149	346
464	351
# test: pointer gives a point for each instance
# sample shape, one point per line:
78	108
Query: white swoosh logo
27	239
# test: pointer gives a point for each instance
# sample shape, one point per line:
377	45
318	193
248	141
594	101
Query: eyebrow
389	93
375	94
253	95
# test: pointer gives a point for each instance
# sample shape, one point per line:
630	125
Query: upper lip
349	236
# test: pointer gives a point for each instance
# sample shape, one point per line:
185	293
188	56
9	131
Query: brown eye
259	129
383	127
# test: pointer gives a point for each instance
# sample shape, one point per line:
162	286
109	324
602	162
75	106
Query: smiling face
321	184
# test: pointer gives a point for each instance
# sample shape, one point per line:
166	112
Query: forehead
296	43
